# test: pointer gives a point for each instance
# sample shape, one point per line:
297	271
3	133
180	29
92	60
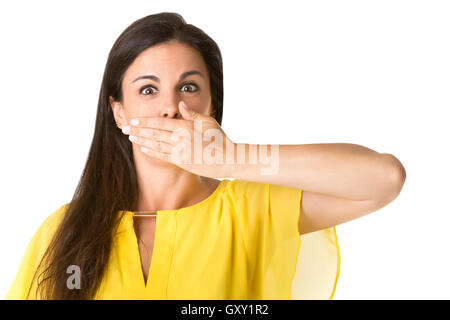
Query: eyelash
184	84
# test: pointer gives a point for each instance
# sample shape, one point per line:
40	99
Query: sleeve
283	264
32	256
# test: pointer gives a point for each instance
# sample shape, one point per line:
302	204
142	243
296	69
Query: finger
154	134
168	124
156	154
159	146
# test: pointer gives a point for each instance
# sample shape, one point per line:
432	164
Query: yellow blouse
242	242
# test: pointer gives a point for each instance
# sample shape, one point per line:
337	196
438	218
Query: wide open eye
146	89
190	85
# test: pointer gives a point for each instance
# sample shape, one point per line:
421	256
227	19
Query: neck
165	186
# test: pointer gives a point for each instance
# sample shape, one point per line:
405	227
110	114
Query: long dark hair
108	184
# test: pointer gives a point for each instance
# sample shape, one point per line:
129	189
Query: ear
118	111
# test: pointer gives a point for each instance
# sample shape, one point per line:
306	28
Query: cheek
202	107
201	103
136	106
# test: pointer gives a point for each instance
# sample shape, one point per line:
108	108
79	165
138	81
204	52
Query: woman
147	222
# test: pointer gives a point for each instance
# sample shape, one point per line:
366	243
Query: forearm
339	169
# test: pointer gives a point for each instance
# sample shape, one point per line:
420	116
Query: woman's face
155	83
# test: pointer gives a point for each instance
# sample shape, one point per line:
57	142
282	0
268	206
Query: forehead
166	61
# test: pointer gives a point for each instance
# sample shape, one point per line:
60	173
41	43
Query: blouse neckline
165	233
197	205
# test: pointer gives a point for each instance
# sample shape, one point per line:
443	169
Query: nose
170	110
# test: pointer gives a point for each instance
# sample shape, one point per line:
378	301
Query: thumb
187	113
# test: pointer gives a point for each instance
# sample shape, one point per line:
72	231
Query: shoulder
44	233
259	196
54	218
244	187
33	254
251	188
50	223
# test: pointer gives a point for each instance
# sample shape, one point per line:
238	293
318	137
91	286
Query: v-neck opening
144	280
161	256
163	245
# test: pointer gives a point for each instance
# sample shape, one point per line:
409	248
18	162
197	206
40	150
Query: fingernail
134	122
126	129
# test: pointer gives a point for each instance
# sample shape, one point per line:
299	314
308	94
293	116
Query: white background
373	73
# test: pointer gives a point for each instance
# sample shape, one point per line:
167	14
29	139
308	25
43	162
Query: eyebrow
182	76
